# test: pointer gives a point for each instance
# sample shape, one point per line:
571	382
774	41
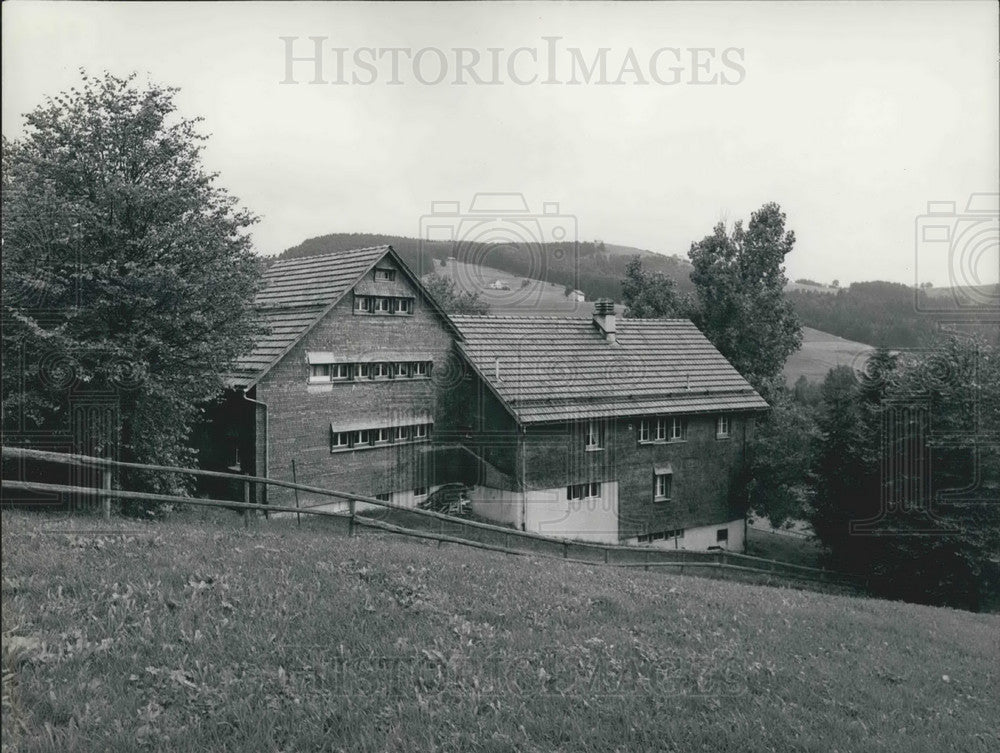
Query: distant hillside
892	315
592	267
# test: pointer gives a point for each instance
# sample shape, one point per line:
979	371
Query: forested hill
593	267
889	314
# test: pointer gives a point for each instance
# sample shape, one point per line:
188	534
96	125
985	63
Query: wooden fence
417	523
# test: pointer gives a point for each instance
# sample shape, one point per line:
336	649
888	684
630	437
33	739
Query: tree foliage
907	477
449	298
128	274
739	280
651	295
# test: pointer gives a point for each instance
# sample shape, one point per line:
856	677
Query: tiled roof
550	369
296	293
315	280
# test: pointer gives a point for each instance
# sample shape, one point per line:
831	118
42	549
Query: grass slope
182	637
821	352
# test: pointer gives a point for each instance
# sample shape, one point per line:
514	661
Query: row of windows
369	304
675	533
652	430
384	435
583	491
347	372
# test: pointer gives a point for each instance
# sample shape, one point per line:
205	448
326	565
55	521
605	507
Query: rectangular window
385	274
362	437
677	430
403	369
420	491
380	436
583	491
381	370
420	431
722	534
320	372
662	486
402	305
364	370
645	538
661	430
401	434
722	428
340	440
644	430
592	436
362	303
421	368
382	497
383	305
341	372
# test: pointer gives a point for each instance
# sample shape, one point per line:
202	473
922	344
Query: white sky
851	116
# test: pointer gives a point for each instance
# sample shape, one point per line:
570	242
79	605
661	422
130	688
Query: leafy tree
780	461
906	458
128	274
835	284
443	262
739	280
444	291
651	295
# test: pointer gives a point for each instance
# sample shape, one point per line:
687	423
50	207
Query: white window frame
644	430
404	369
381	370
380	435
382	305
362	303
362	437
660	432
723	427
335	446
663	487
420	491
402	306
421	431
320	377
593	438
421	368
678	432
401	434
386	275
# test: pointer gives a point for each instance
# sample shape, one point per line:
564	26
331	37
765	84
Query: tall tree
128	274
739	280
651	295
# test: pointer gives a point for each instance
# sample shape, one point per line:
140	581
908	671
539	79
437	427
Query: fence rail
450	529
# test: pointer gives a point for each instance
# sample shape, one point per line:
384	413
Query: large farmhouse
616	431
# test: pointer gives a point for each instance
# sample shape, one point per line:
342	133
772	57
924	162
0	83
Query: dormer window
385	275
402	305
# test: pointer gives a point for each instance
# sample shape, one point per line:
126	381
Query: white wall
500	505
550	513
702	538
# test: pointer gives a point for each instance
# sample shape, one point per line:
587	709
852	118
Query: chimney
604	318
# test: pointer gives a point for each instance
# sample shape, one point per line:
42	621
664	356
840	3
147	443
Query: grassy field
821	352
186	636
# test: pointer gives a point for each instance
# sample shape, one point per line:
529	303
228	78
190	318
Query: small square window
402	305
362	437
403	369
364	370
362	303
722	534
382	370
385	274
420	431
421	368
341	371
383	305
341	440
401	434
320	372
420	491
722	427
382	497
380	436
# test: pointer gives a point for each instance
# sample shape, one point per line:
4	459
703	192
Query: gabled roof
553	369
297	293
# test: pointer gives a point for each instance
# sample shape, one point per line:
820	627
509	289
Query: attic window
387	275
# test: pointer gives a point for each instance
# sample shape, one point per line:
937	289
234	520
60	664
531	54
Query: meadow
196	634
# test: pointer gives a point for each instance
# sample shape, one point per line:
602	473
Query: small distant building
499	285
577	295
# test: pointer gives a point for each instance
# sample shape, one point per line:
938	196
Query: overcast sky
851	116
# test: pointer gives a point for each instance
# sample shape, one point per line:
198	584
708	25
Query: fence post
607	554
106	484
645	565
246	499
295	480
565	550
350	520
